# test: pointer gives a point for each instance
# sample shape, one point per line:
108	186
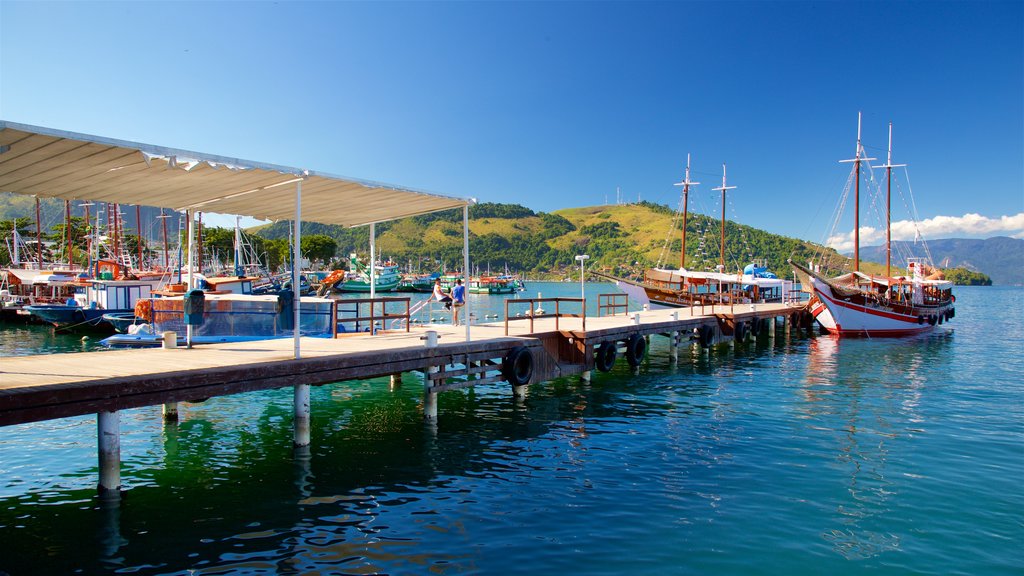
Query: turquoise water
806	455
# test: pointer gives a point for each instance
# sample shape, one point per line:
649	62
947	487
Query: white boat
859	304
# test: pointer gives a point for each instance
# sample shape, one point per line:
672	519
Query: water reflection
865	394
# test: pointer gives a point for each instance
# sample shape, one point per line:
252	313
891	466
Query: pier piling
301	403
108	428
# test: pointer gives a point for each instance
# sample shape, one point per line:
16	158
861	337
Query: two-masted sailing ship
664	287
860	304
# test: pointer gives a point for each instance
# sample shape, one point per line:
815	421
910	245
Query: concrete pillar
585	376
429	396
108	432
301	403
673	346
519	391
171	412
396	381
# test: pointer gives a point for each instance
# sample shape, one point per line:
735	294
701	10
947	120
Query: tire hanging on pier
517	366
604	356
636	350
707	334
740	332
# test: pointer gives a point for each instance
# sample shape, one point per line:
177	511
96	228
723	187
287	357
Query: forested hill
1001	257
621	239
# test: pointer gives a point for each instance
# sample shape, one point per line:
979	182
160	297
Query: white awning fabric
56	164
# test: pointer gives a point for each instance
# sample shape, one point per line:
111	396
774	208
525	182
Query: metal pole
373	264
296	260
191	269
138	224
39	237
465	265
301	403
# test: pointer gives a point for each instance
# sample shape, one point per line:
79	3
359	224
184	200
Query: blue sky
554	105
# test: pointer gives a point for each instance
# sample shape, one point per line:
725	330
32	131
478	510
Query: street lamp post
581	258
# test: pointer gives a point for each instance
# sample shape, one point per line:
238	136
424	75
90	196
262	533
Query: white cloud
966	226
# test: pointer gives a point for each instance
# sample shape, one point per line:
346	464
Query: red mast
39	237
138	224
686	196
67	228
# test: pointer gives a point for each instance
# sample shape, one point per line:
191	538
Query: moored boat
860	304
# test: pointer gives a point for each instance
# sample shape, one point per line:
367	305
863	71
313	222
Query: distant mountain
1001	257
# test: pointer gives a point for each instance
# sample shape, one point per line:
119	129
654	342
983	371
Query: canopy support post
190	216
465	266
296	265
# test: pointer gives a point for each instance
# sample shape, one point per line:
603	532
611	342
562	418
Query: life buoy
604	356
636	350
952	298
707	333
920	319
755	327
517	366
931	320
144	309
739	333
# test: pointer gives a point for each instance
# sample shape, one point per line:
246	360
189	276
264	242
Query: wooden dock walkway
522	351
34	388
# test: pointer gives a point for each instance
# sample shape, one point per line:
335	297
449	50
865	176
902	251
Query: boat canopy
52	163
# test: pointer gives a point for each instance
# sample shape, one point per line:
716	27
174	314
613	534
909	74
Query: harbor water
802	455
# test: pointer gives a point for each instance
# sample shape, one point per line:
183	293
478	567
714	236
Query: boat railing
369	314
612	304
536	311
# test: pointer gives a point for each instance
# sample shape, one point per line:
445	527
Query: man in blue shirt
458	301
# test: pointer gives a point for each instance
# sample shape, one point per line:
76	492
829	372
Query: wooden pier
521	351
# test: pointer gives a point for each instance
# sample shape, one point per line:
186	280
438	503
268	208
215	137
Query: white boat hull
850	319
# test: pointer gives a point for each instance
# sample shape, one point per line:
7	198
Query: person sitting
440	296
458	300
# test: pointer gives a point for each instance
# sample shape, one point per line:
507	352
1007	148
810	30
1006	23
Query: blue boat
91	301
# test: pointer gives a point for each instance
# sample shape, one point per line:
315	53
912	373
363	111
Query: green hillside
620	239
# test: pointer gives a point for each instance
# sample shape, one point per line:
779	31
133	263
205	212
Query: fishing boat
421	283
492	285
860	304
92	299
357	279
682	287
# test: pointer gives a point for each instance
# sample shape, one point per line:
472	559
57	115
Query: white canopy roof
57	164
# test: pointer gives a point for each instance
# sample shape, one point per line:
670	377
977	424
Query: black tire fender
739	333
604	356
707	333
636	350
517	366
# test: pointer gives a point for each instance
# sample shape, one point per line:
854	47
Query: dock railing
536	312
350	311
612	304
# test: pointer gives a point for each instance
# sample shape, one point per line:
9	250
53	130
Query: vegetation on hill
620	239
1000	257
965	277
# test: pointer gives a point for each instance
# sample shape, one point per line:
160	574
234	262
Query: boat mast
39	237
67	228
163	221
856	199
888	204
723	188
138	224
686	196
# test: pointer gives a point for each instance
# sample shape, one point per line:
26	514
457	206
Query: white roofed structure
52	163
49	163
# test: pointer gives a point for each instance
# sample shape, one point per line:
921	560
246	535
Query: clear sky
554	105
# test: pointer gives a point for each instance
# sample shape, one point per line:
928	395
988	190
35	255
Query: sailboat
680	288
859	304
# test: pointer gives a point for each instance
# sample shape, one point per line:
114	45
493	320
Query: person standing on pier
459	300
